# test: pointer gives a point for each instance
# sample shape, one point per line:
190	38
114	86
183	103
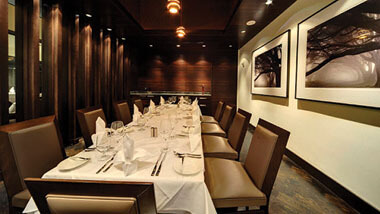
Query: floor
294	190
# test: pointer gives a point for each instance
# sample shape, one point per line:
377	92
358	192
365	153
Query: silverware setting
107	162
155	165
159	168
188	126
80	158
190	155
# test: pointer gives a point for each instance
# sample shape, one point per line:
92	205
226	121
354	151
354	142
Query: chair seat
212	129
21	199
208	119
229	184
218	147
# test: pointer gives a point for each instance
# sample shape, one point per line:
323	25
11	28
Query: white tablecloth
174	192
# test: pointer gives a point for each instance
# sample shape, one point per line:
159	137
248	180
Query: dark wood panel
4	62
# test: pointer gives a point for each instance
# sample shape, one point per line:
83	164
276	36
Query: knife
155	166
97	172
159	168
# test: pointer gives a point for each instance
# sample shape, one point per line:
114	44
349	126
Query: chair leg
265	209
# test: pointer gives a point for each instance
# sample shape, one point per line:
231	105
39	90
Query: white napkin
136	113
127	159
152	107
162	100
97	137
181	100
100	125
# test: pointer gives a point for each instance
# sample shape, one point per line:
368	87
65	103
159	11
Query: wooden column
106	87
27	59
4	114
85	65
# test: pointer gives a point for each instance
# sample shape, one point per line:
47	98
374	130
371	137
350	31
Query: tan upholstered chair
232	184
92	197
229	148
28	149
223	126
122	111
139	105
217	116
87	121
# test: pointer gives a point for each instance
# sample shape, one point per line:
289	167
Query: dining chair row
234	184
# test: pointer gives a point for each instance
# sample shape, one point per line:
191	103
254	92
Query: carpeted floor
294	190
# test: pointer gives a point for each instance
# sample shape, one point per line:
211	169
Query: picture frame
270	65
338	54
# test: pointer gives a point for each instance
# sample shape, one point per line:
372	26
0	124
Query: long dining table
175	192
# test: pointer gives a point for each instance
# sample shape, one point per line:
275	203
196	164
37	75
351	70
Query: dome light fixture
173	6
180	32
250	22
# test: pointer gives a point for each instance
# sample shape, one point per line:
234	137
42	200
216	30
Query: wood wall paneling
4	116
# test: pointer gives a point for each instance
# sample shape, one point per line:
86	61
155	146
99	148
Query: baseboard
353	200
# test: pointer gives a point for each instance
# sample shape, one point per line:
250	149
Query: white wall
341	141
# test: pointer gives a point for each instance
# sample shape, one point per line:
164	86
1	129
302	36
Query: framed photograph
270	67
338	56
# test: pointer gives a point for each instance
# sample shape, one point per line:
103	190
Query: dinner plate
70	164
191	166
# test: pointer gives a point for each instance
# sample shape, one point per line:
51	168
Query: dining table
179	187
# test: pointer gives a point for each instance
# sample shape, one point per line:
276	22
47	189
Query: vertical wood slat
4	116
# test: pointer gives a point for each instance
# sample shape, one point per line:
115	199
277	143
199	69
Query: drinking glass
141	122
165	129
116	125
102	146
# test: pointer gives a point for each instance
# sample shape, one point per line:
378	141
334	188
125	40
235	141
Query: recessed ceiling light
151	46
251	22
269	2
243	31
122	38
109	29
178	46
203	46
88	15
230	46
76	15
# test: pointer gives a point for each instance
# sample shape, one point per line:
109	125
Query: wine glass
141	122
165	128
116	125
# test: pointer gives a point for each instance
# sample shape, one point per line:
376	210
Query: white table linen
174	192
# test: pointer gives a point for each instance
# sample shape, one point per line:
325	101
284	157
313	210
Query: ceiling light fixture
180	31
243	31
173	6
230	46
76	15
203	46
178	46
269	2
123	38
88	15
109	29
151	46
250	22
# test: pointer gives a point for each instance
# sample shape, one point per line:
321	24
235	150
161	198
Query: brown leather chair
229	148
233	184
223	126
87	121
217	116
122	111
139	105
96	197
28	149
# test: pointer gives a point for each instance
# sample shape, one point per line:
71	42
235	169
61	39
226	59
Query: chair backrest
122	111
95	197
218	111
227	117
265	155
87	121
139	105
29	149
238	129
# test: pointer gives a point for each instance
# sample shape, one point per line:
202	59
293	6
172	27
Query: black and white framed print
270	67
338	57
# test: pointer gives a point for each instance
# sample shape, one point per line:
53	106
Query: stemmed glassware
141	122
102	146
116	125
165	130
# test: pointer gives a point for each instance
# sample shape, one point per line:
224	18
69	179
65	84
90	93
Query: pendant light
180	31
173	6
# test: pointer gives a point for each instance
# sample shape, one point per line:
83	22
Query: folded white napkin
127	159
162	100
97	137
152	107
181	100
100	125
136	113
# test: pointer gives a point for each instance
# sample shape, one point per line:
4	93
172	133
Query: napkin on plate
152	107
100	125
136	113
128	158
162	100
